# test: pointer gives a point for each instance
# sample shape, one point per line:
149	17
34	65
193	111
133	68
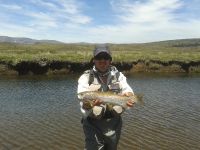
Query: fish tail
140	99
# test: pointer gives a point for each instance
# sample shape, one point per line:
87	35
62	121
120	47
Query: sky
101	21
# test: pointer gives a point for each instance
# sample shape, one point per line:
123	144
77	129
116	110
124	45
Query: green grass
177	50
51	52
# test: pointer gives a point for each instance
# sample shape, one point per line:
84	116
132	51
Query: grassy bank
15	53
179	50
154	56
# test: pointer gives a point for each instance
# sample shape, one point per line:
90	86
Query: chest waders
103	134
114	80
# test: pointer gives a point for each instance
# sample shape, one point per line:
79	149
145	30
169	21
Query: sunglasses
102	57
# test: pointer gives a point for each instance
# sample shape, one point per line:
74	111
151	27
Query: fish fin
87	105
140	99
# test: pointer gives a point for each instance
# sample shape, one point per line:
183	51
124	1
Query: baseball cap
101	49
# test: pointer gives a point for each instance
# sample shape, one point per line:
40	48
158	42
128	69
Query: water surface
42	113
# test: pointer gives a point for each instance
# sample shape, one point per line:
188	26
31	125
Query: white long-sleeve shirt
83	85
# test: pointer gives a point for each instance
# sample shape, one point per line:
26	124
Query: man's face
102	62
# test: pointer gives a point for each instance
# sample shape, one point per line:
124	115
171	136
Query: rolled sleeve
83	83
124	85
82	87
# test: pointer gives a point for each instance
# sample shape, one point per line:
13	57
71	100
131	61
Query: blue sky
101	21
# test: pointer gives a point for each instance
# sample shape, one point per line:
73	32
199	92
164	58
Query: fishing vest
112	85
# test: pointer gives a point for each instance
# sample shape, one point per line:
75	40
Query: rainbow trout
109	98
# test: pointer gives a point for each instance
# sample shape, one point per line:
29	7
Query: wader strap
115	78
91	77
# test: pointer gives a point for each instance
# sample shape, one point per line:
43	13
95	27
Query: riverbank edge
66	67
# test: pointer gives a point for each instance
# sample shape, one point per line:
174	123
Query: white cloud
135	21
45	4
41	16
41	20
66	11
12	7
152	11
15	30
70	6
147	21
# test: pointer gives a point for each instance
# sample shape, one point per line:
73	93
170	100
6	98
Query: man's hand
129	103
97	102
127	94
89	104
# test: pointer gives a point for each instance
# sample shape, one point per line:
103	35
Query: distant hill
193	42
23	40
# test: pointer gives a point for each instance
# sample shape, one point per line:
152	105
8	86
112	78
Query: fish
109	98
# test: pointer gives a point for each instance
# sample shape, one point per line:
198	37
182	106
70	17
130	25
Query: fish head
81	95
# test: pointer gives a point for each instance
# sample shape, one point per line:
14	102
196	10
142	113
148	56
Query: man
102	123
